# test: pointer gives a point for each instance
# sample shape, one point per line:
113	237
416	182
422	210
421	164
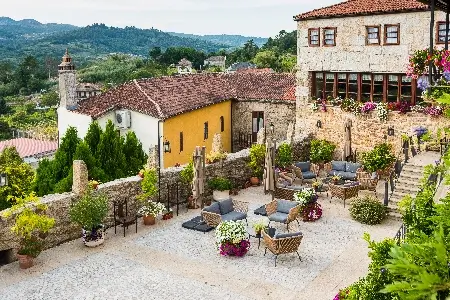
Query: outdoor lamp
3	179
391	131
167	147
319	124
272	127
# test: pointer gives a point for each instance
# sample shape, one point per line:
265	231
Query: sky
262	18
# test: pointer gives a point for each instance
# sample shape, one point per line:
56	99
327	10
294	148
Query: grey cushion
352	167
278	217
309	175
305	166
338	165
332	173
348	175
213	208
286	235
284	206
234	216
226	206
294	187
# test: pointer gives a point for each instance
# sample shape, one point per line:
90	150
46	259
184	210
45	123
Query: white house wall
145	127
67	118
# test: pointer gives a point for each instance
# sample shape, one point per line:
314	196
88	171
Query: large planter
149	220
93	238
25	261
231	249
254	181
221	195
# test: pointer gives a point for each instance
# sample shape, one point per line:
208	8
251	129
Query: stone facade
234	168
280	113
367	130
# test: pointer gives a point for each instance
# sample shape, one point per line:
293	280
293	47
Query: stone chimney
67	83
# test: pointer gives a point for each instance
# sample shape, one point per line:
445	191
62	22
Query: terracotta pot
25	261
149	220
258	232
191	203
141	174
254	181
94	186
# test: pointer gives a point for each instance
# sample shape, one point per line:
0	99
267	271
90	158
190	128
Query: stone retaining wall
234	167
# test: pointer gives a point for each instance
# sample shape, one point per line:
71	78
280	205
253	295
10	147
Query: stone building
360	49
86	90
238	66
184	66
215	61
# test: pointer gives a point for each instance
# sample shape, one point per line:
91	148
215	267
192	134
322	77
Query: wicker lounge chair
227	210
282	211
282	243
366	181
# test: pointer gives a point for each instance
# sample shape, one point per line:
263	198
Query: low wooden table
343	192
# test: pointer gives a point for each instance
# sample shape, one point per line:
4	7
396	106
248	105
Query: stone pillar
217	146
153	158
80	177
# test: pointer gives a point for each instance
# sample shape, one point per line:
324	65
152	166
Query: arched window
222	124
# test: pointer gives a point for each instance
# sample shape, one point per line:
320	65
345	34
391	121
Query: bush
187	174
368	210
257	155
220	184
284	155
379	158
90	211
322	151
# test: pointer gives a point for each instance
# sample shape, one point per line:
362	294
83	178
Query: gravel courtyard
166	261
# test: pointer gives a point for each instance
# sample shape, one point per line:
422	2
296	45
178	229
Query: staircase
409	181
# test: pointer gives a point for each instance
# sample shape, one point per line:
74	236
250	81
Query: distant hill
29	37
224	39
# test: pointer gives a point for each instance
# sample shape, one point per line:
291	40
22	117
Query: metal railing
401	234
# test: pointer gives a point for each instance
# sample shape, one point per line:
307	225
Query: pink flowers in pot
368	106
433	111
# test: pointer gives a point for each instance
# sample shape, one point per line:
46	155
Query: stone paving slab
167	261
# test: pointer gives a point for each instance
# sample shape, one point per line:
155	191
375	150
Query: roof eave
298	18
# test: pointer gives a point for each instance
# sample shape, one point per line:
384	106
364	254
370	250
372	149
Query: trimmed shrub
368	210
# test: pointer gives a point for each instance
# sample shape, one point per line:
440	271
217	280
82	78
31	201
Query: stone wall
234	167
367	130
280	113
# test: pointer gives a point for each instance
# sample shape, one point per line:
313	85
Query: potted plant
257	156
141	173
150	210
310	210
232	238
221	188
336	178
379	160
317	185
187	176
93	184
284	156
30	225
90	212
168	214
260	225
321	152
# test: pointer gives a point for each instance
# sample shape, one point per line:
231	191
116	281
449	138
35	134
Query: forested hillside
224	39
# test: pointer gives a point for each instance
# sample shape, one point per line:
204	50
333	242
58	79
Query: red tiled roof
165	97
29	147
264	70
362	7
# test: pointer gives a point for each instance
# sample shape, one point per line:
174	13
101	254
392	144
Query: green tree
266	59
288	62
84	153
134	154
50	99
20	176
92	137
4	109
110	150
64	155
44	182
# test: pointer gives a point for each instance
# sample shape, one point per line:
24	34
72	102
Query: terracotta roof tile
165	97
362	7
29	147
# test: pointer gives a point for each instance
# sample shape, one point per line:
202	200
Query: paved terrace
166	261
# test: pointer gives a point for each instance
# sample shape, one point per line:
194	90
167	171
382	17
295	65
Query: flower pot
191	203
254	181
149	220
25	261
141	174
258	232
94	186
93	238
221	195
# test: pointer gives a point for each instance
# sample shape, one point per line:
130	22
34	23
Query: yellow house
196	128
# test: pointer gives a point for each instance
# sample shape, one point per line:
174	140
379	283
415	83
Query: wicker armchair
304	171
227	210
282	211
343	192
365	180
282	243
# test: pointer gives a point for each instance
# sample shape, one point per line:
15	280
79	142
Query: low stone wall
234	167
367	130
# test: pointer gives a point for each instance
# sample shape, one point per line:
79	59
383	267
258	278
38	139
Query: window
406	89
329	85
440	34
353	86
318	92
222	124
342	85
366	87
205	131
378	87
329	37
181	141
392	89
372	35
313	37
257	123
391	34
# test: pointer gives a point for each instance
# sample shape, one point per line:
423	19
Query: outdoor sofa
226	210
347	170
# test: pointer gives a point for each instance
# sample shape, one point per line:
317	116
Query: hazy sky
246	17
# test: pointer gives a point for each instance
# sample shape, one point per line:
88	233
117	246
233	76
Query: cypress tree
134	154
64	155
109	151
92	137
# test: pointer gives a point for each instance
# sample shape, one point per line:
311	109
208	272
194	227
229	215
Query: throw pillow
284	206
303	165
213	208
338	165
352	167
226	206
